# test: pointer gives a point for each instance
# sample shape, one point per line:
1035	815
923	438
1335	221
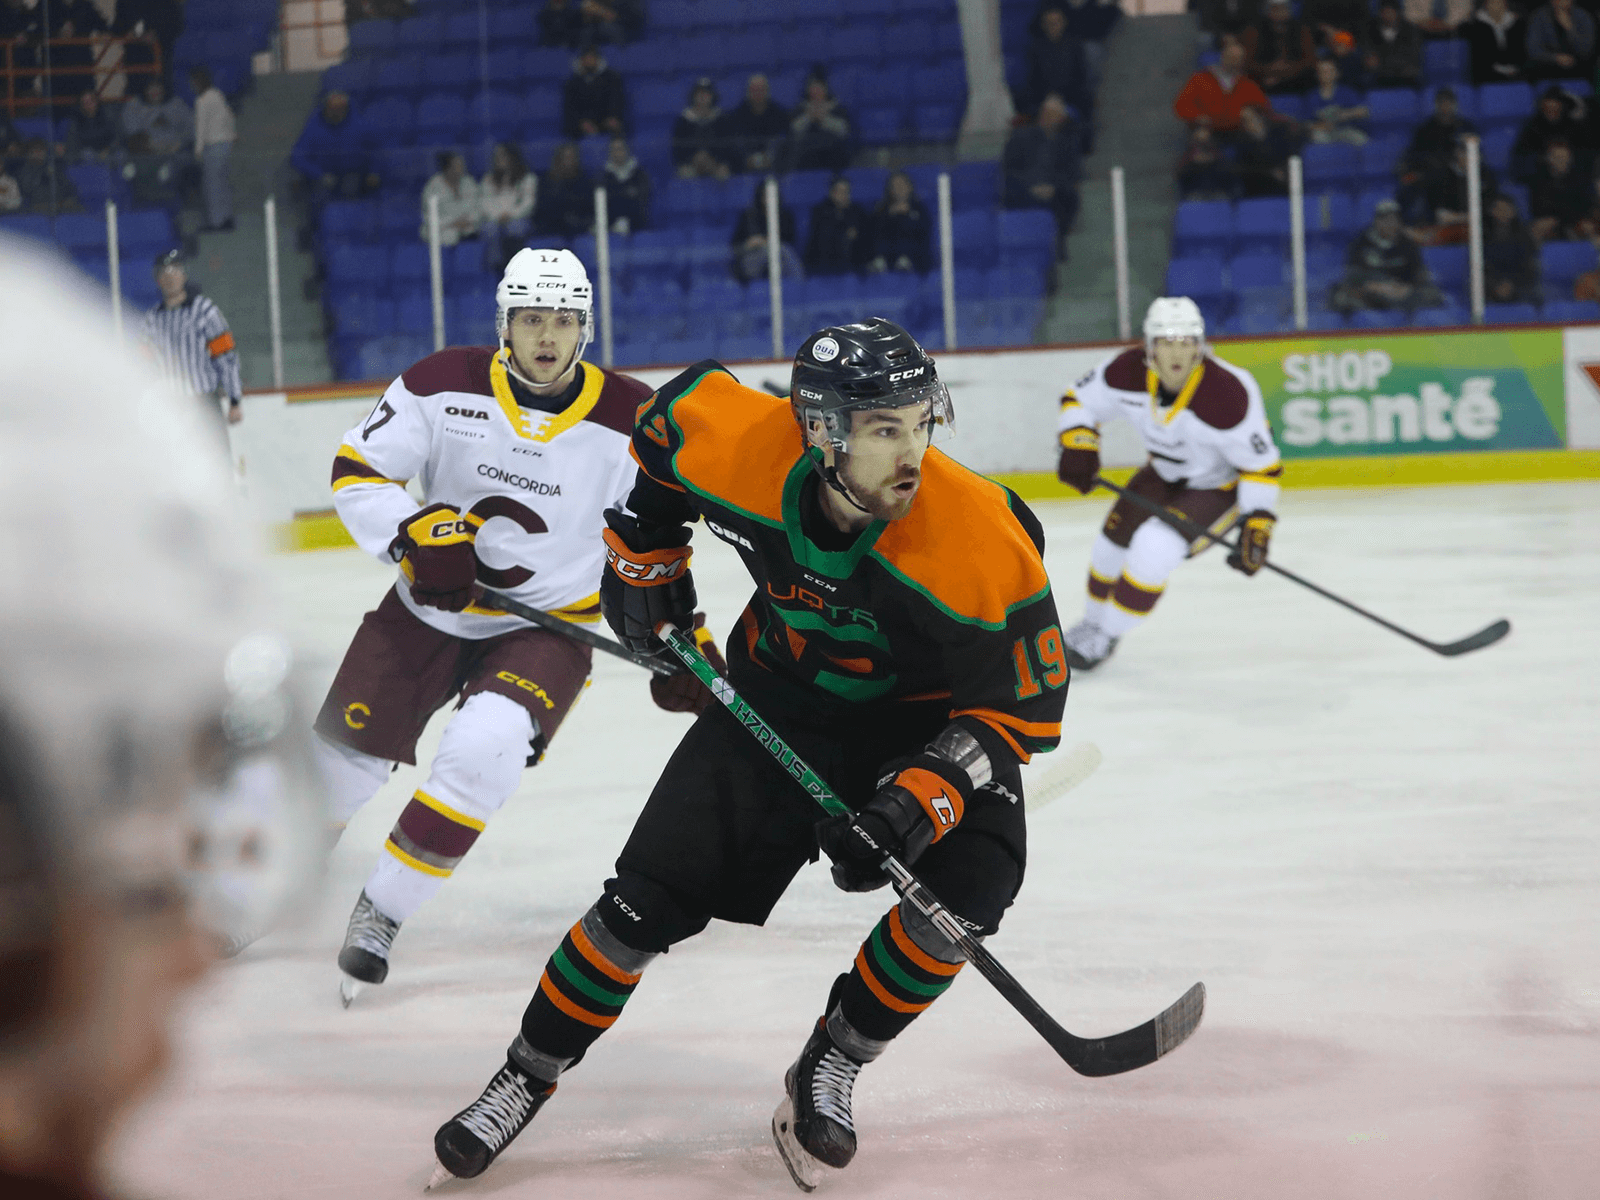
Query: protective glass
853	430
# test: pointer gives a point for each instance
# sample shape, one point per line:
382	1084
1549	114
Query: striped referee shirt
194	347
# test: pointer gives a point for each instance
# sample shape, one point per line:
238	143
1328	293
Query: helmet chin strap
830	476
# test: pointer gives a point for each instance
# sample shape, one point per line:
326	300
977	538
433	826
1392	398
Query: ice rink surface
1382	863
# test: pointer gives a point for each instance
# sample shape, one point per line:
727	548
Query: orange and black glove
919	800
1080	458
1255	531
646	580
683	691
434	550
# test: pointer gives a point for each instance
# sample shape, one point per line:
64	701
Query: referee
191	339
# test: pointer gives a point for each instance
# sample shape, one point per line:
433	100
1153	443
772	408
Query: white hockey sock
1105	566
478	766
1152	556
350	777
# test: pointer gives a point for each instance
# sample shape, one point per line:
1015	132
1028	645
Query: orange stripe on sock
597	960
553	994
881	992
914	952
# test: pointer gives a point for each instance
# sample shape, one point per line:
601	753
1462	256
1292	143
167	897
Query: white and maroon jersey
1213	433
541	481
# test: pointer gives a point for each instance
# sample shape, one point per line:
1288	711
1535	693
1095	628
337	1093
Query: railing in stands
24	64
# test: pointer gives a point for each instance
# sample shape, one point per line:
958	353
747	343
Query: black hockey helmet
869	364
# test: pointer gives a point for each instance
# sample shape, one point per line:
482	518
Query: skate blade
349	989
802	1167
439	1178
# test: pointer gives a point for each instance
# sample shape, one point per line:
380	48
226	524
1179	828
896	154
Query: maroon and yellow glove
1255	531
434	550
919	800
683	691
1080	458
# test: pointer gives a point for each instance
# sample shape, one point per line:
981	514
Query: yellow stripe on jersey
350	467
542	426
1152	383
579	612
1270	475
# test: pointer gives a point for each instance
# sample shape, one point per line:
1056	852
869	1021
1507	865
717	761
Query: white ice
1382	863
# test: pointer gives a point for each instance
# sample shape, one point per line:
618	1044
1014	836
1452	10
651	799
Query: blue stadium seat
1390	107
1509	314
1495	147
365	266
1572	312
518	23
1447	265
1324	266
347	220
1500	103
354	76
1331	165
363	314
463	28
1444	61
973	184
441	117
1198	277
413	312
886	87
391	119
1380	158
974	238
1378	318
911	39
1257	271
421	33
371	38
1562	262
1203	225
408	265
935	122
96	183
460	71
82	230
1261	220
143	227
1441	317
1025	234
1324	318
881	126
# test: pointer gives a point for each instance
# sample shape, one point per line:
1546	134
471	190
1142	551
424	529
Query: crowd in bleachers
1379	108
424	103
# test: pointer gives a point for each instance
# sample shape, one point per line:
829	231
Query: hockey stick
1081	762
1126	1051
576	632
1487	636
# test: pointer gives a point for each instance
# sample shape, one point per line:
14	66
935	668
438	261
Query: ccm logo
474	413
809	395
897	376
729	535
645	573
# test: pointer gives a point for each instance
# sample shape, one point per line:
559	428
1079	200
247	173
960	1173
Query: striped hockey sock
423	849
892	981
581	993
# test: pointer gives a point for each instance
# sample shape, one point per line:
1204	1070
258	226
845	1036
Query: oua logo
1359	413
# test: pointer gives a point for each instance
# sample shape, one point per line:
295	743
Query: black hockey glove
1255	531
646	580
919	800
683	692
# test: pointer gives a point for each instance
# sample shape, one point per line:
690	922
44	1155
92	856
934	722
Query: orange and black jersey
950	603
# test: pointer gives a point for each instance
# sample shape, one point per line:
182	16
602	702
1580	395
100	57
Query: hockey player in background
1212	457
519	450
902	638
154	787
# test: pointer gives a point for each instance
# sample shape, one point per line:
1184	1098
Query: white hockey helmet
1173	317
545	279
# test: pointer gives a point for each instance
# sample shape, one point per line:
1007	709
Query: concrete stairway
232	267
1147	61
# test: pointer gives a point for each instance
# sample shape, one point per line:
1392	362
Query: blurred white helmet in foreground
1173	317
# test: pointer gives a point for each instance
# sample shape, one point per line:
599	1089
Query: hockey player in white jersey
519	451
1211	457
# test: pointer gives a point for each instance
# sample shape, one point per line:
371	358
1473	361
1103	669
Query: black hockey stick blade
1487	636
577	633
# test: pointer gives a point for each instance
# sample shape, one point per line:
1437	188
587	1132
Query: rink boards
1361	409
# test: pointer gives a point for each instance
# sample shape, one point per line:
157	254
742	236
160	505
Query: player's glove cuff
1255	531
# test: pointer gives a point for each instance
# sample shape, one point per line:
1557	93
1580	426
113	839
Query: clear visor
914	421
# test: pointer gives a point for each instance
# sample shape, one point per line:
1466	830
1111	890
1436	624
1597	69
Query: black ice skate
813	1124
1087	645
365	956
469	1141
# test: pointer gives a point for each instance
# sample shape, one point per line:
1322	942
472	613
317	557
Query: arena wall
1350	410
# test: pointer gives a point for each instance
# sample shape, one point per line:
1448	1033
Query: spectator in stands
71	64
333	153
1334	20
822	136
166	119
901	231
627	187
561	24
1056	63
573	23
1384	268
1214	96
1041	164
749	240
1510	255
1446	194
756	128
213	148
460	206
1561	42
595	99
10	140
1559	197
699	145
23	25
10	191
1337	110
840	236
1434	141
1394	49
1497	43
160	20
154	180
92	133
506	195
1555	119
1438	18
46	186
1091	23
566	196
1204	172
1279	52
1261	155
